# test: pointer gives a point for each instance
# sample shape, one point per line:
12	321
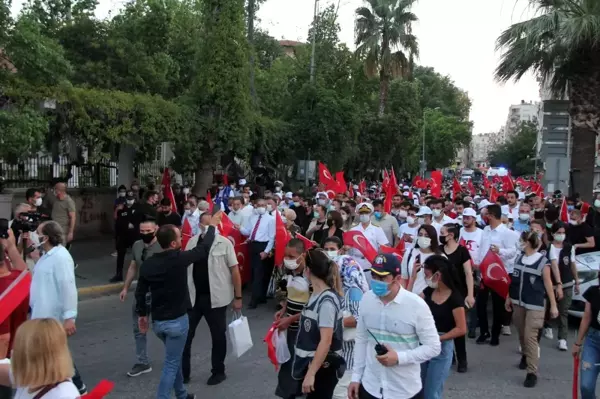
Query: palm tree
561	44
385	42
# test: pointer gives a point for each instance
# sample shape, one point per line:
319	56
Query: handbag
239	334
47	389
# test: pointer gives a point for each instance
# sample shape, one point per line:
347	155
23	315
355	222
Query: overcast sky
456	37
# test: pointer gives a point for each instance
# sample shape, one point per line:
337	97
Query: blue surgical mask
316	215
377	215
380	288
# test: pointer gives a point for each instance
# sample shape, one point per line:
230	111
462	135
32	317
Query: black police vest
527	284
564	266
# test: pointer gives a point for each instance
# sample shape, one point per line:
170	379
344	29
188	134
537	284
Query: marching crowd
358	324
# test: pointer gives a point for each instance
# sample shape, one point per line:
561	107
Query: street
103	348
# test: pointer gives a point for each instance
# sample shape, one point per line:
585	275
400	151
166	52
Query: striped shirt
298	294
407	326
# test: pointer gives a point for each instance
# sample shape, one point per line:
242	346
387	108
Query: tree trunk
203	177
584	94
383	92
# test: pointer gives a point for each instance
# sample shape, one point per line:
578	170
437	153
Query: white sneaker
520	350
548	333
539	352
562	345
506	330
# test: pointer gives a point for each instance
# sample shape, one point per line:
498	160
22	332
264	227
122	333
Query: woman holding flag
530	281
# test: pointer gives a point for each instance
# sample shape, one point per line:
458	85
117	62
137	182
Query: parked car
588	266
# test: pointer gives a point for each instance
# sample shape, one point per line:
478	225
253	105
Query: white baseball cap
484	203
469	212
424	210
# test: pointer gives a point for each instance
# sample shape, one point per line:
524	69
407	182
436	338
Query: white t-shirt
411	231
64	390
472	241
555	253
408	263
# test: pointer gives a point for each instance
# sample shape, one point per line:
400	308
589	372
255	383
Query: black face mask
442	240
329	222
147	238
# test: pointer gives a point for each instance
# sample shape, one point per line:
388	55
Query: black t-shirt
458	259
172	218
200	274
578	234
442	314
592	295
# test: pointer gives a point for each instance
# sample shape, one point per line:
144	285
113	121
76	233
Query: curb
101	290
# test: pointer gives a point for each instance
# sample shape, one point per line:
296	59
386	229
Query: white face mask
559	237
322	202
38	202
424	242
522	246
421	220
332	254
437	213
186	190
187	211
344	217
410	220
403	214
260	211
364	218
597	203
277	189
523	217
430	283
130	202
269	208
574	222
291	264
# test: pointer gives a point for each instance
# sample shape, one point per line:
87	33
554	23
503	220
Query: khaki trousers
528	323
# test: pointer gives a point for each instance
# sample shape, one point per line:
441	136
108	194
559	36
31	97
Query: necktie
255	230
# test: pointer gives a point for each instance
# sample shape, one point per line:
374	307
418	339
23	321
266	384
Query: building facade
519	113
482	144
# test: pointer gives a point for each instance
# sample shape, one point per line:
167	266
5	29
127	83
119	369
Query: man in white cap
374	234
470	237
425	215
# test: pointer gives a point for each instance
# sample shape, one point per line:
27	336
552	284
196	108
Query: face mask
403	214
424	242
122	193
188	212
437	213
380	288
539	234
186	190
261	210
574	222
269	208
277	189
297	204
421	220
430	283
40	246
559	237
322	202
378	215
522	246
524	217
332	254
130	202
291	264
410	220
38	202
443	240
315	214
147	238
549	225
329	222
364	218
597	203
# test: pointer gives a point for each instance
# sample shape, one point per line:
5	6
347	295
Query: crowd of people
356	327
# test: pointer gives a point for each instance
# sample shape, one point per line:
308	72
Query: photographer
33	196
23	226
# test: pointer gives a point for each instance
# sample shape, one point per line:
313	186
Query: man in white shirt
470	238
400	321
500	239
192	215
53	293
236	214
408	231
260	230
439	218
374	234
512	197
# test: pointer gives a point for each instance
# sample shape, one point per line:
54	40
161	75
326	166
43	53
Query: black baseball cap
386	264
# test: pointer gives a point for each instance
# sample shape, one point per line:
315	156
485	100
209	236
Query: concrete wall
94	209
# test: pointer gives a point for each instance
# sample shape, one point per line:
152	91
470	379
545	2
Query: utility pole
314	42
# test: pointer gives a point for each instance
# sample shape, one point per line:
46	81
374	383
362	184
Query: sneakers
482	338
82	390
530	380
114	254
506	330
462	367
495	341
216	379
548	333
562	345
139	369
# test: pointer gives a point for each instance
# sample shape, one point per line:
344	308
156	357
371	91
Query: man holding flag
374	234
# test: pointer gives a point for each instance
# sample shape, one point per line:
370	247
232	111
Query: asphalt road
104	348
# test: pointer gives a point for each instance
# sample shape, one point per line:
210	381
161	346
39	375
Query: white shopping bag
282	352
239	334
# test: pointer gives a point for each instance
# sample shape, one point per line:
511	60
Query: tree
518	154
560	44
385	42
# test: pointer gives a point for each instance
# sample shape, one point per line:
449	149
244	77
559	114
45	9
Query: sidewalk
96	266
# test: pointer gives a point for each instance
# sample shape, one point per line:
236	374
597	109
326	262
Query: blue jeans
590	357
140	341
173	333
435	372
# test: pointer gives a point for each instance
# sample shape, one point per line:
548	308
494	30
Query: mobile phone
4	228
379	349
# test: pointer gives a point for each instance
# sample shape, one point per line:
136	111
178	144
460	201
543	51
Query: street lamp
423	163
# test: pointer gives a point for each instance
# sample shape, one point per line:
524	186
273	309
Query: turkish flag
101	390
494	275
391	250
186	233
564	211
350	191
227	229
456	189
436	189
211	204
416	181
357	240
282	236
437	176
16	293
394	181
486	182
271	350
307	243
325	176
341	182
493	194
168	190
362	187
507	183
585	209
471	187
401	247
243	258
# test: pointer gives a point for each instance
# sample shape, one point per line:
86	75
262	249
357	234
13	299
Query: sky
456	37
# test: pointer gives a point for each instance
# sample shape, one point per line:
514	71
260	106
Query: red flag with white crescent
564	211
243	258
282	236
391	250
340	183
325	176
13	296
307	243
168	190
494	275
186	233
357	240
456	189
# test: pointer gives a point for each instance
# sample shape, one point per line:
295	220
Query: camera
28	221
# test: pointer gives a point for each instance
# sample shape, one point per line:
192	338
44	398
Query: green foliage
23	130
518	154
444	136
440	92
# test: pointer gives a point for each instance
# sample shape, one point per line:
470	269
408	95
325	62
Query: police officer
126	231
